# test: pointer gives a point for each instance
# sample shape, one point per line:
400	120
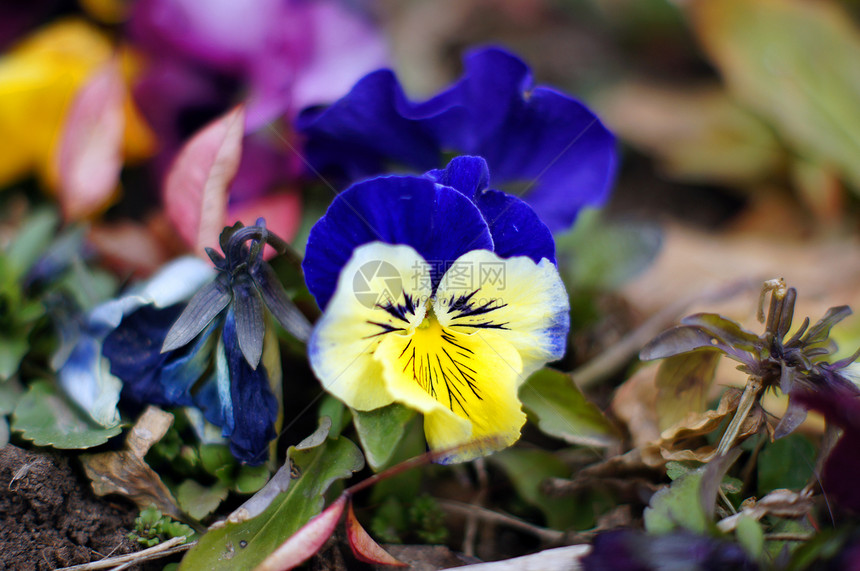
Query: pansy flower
217	352
440	294
550	147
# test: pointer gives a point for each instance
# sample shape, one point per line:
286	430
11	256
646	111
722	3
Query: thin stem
788	536
490	516
748	399
162	549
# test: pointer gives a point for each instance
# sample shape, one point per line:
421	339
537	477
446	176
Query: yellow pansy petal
521	301
376	297
466	386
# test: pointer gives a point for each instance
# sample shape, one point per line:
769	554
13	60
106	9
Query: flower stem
748	399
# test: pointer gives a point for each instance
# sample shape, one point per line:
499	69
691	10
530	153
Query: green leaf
678	506
785	463
676	469
770	53
689	502
600	255
750	535
380	431
683	382
198	500
251	478
31	241
336	411
4	431
215	458
560	409
46	418
319	461
527	470
11	353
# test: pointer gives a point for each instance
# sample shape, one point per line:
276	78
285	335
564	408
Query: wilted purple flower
211	353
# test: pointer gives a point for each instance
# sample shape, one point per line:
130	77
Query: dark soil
50	519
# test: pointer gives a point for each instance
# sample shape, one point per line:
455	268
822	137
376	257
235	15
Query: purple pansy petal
134	352
214	396
532	136
469	175
839	403
180	373
558	150
630	550
255	408
439	222
515	227
360	133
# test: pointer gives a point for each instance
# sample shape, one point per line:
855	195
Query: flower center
441	364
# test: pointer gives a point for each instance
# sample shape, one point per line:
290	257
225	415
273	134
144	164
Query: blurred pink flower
276	56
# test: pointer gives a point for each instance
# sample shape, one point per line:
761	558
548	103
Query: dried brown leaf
779	503
126	473
677	443
698	133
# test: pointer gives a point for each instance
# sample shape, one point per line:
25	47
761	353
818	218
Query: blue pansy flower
550	146
216	352
440	294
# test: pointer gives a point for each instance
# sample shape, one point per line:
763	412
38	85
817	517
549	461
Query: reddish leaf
306	541
195	190
363	546
282	211
89	154
129	248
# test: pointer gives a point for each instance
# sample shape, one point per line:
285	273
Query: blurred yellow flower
39	79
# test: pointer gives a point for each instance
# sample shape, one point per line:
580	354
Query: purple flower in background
16	18
839	402
285	54
276	56
629	550
539	143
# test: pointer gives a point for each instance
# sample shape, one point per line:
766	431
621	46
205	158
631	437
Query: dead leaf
676	443
772	53
635	404
778	503
683	383
826	272
126	473
697	134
